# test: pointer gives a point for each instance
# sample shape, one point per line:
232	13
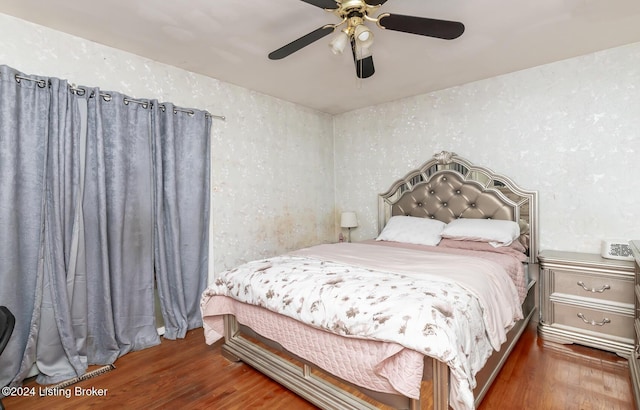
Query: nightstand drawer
594	320
598	287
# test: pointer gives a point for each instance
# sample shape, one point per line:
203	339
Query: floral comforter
454	308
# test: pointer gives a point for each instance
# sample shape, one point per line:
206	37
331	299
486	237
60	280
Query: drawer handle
593	322
593	290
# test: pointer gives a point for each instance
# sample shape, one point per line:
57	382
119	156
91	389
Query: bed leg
440	385
231	328
230	331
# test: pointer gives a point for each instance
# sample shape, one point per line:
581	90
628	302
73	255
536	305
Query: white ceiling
229	40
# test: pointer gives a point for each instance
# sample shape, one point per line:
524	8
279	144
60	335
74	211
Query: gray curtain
118	219
100	243
57	353
81	226
24	131
182	157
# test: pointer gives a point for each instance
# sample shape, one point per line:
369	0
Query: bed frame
444	188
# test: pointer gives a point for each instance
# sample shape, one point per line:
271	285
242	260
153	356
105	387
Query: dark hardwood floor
188	374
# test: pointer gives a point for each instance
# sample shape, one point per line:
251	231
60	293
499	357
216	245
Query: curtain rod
107	97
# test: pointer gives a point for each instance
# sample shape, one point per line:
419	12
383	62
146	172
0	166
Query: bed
422	316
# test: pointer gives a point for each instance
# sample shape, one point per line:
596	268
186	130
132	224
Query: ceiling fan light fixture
363	36
339	43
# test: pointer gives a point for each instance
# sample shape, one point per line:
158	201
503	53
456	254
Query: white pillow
410	229
495	231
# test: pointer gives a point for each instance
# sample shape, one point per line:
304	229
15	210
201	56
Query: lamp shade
339	42
363	36
348	220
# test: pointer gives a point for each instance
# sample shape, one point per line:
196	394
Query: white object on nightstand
616	249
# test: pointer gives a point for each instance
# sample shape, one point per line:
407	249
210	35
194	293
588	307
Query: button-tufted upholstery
446	196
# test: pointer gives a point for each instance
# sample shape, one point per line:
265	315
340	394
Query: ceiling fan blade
375	3
447	30
323	4
303	41
364	65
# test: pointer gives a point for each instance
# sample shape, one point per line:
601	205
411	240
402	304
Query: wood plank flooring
188	374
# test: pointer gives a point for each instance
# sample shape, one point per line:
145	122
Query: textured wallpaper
570	130
281	172
272	169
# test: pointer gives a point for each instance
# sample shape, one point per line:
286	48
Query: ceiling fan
354	14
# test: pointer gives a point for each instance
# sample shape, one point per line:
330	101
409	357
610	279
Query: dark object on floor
7	323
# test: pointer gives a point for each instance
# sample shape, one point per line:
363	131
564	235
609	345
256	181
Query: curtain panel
24	128
181	244
118	207
54	335
102	198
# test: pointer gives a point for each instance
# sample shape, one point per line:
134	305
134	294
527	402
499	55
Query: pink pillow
515	248
497	232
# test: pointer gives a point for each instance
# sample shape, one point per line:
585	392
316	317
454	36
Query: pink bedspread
380	366
510	261
382	293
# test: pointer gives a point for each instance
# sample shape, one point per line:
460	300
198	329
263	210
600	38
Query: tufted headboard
449	187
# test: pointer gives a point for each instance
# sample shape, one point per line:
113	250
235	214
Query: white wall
570	130
272	161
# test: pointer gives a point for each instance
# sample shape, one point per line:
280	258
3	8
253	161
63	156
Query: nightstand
588	300
634	360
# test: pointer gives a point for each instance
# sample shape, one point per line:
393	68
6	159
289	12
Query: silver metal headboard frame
449	187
